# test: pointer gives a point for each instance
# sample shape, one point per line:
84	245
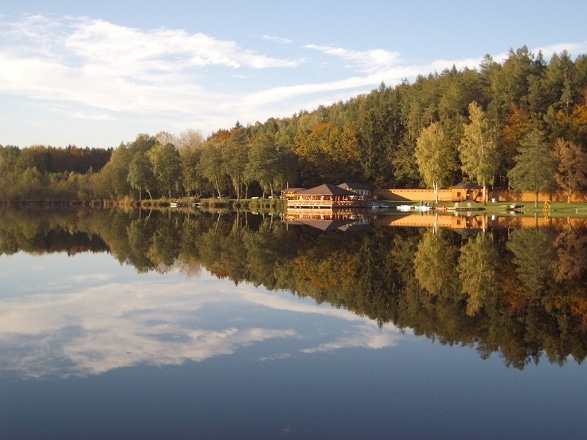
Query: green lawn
555	209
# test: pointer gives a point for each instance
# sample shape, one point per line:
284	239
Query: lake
222	325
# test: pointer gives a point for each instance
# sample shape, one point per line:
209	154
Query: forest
519	124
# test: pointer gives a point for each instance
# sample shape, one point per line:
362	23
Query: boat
514	207
374	205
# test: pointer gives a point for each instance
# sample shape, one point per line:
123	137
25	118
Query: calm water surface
91	348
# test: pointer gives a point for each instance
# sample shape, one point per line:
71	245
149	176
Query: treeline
49	173
521	123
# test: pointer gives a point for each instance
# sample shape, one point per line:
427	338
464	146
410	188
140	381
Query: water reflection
73	325
479	281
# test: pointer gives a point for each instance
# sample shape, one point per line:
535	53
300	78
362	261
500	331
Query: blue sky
98	73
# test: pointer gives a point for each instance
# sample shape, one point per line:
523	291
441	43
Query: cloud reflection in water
90	324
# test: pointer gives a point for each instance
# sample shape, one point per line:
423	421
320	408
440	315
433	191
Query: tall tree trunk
484	193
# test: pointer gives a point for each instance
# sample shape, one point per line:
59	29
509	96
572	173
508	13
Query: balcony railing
303	203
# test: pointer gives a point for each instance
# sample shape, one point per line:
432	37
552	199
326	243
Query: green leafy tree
234	158
210	165
535	165
166	167
190	156
263	162
31	185
435	157
114	175
478	149
140	174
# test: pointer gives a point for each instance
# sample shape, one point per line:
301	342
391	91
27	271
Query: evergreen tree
535	165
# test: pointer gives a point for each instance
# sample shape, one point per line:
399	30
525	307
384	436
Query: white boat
403	208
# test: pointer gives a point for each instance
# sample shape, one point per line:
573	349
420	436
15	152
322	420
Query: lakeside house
325	196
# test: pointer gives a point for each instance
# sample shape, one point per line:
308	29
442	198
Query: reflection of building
326	196
433	220
327	220
479	222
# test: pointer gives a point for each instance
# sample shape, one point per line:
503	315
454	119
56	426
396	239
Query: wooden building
326	196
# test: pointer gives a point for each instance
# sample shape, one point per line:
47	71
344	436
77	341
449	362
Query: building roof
327	189
354	185
467	185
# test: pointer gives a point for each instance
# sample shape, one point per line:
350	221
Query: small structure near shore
326	196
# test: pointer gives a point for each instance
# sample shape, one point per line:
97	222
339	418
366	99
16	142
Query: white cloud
77	68
114	68
280	40
369	61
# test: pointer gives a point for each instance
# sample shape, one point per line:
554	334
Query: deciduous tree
478	149
435	157
140	174
571	174
166	166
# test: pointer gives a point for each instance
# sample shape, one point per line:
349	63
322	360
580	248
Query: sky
97	74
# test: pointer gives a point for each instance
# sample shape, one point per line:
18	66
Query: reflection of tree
434	263
40	230
268	250
533	254
571	250
516	305
477	270
164	247
139	239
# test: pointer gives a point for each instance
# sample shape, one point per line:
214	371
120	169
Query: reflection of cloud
73	330
275	357
92	277
367	336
